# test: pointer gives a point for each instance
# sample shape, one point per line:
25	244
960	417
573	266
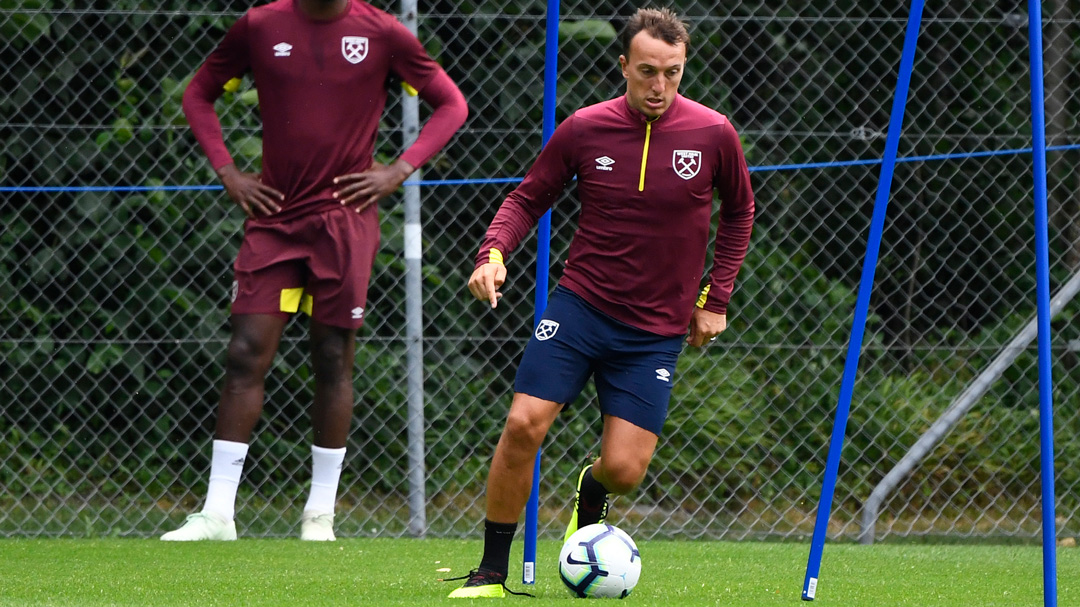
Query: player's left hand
705	326
361	190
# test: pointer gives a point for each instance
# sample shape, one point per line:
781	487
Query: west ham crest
354	48
686	163
546	329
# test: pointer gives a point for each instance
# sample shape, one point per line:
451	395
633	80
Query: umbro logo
282	49
357	313
663	375
604	163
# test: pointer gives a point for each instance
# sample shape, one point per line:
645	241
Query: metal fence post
414	298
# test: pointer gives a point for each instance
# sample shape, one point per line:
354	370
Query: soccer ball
600	561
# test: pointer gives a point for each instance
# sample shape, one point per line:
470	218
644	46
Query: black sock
497	540
593	497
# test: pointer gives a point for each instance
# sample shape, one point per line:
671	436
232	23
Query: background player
312	230
646	164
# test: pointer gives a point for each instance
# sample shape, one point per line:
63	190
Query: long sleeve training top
322	90
646	191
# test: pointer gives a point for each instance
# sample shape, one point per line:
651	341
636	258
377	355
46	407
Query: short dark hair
660	23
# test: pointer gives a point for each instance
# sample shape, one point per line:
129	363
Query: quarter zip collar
636	117
639	118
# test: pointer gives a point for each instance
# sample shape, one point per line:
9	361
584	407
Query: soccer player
647	164
312	228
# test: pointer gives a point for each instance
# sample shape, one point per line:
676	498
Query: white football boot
203	526
317	527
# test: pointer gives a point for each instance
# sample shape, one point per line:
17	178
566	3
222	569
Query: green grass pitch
390	572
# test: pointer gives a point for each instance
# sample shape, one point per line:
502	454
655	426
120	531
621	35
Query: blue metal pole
862	303
543	262
1042	289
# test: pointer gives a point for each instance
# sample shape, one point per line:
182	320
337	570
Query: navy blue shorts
633	369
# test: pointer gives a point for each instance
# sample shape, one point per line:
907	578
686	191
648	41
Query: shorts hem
529	392
638	422
275	313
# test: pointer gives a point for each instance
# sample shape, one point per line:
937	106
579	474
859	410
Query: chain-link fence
114	315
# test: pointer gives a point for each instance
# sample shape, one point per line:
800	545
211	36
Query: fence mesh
114	316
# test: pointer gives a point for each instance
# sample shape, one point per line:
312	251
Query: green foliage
25	28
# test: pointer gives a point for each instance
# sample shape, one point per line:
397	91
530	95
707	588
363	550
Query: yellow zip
644	156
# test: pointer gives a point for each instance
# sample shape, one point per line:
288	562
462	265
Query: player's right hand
485	282
247	190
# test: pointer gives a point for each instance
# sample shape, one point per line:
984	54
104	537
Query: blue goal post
543	257
1042	270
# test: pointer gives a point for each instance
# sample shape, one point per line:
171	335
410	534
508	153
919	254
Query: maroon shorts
319	264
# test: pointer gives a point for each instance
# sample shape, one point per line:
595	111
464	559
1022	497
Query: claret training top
646	192
322	90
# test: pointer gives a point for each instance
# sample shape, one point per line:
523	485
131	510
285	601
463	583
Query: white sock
225	468
325	472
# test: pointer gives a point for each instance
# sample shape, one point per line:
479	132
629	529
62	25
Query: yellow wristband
495	256
703	297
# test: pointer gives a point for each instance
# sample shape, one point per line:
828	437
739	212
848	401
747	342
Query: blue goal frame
1042	271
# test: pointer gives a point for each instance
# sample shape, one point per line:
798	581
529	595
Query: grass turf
405	572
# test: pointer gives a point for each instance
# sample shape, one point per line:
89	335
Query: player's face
653	69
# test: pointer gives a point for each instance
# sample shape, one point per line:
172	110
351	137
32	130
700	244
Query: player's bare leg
254	341
625	453
332	361
510	476
508	487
